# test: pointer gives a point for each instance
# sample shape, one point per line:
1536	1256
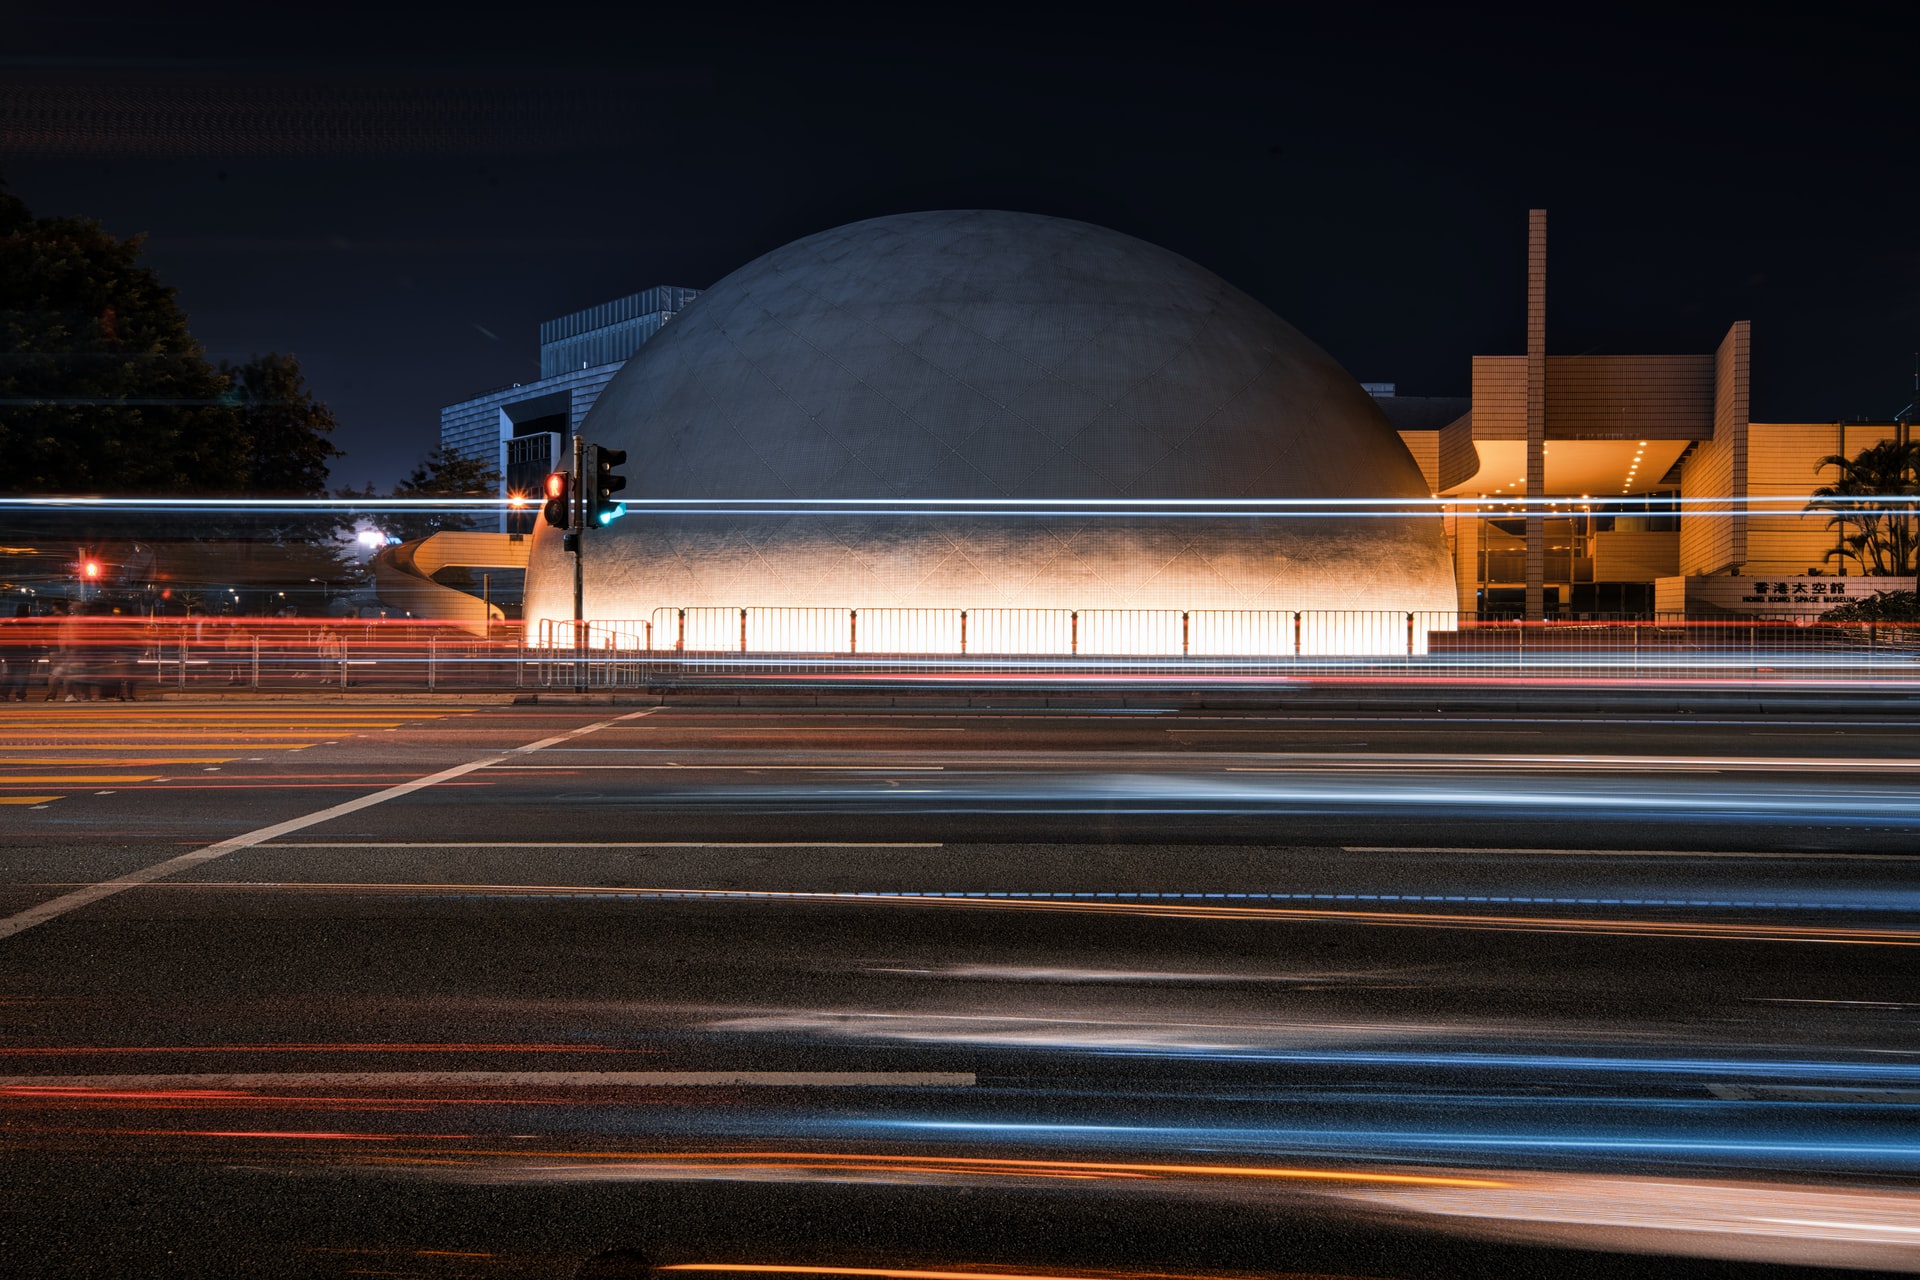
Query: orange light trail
341	779
275	783
696	1163
915	1273
261	1133
38	1097
1002	1167
1701	929
906	1273
80	1093
75	1050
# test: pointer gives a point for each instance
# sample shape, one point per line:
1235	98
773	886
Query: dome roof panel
970	354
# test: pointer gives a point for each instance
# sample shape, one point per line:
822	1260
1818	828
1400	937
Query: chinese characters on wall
1797	591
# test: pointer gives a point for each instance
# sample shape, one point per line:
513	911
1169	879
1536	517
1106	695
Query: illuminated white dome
983	355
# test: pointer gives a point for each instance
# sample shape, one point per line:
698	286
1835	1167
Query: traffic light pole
578	519
575	499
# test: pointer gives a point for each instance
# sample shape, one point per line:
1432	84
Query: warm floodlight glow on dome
906	366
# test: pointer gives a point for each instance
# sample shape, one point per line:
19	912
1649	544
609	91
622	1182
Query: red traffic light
90	569
558	511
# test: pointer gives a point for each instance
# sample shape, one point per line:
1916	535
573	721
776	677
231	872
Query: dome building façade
990	411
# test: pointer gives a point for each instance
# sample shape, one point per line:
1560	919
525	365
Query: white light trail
1763	504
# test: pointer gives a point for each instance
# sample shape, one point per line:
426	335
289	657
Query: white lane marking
487	1079
822	728
1813	1093
24	920
1652	764
61	905
1843	1226
1421	723
610	844
1791	855
726	768
544	743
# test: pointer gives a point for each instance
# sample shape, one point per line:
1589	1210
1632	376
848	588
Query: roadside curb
1306	702
1302	701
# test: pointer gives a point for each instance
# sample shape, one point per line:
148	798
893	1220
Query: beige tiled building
1602	445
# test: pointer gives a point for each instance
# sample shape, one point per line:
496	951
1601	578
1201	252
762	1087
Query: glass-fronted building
610	332
525	430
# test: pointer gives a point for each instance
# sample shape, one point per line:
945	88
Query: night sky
400	200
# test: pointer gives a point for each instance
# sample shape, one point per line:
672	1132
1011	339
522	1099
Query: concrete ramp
403	575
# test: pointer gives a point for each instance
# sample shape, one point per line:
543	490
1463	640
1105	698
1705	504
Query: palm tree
1875	500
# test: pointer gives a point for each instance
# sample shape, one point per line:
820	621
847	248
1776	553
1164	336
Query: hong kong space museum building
1079	440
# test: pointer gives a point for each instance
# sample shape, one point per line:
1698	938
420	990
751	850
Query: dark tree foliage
1881	606
102	389
443	474
449	474
286	429
1881	537
286	433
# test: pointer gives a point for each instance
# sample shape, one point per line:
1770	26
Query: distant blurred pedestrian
236	647
119	648
333	650
18	651
67	676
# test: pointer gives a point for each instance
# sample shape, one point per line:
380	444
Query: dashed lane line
57	907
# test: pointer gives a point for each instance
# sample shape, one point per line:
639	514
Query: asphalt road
451	988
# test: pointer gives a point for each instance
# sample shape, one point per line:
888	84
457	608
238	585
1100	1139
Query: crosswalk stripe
173	746
76	737
143	762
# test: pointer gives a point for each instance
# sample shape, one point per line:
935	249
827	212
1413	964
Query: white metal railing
705	646
1153	633
749	645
